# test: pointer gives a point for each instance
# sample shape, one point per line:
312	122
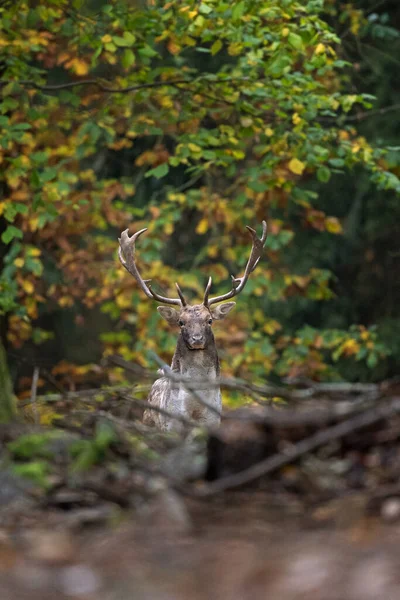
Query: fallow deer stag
196	353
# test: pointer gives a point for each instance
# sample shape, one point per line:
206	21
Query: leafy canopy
193	119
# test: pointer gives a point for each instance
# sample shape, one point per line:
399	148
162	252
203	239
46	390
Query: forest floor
246	546
293	504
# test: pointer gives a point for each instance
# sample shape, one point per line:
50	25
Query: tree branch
373	113
272	463
104	88
95	82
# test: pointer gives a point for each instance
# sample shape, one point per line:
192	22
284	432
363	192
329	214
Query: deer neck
196	363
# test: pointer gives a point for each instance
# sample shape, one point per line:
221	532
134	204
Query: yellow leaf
296	166
19	262
320	49
350	347
285	32
202	226
189	41
106	39
333	225
269	132
234	49
296	119
2	205
169	228
212	251
271	326
27	286
65	301
194	147
123	301
79	66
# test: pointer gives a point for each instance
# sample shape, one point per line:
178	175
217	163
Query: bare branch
71	84
186	382
272	463
28	83
147	406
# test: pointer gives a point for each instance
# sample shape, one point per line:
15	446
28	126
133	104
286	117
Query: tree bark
7	404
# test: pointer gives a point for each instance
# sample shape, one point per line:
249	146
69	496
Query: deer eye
181	323
209	321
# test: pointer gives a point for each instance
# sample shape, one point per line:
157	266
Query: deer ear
220	311
169	314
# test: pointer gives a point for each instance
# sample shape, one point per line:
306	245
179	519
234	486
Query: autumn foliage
192	119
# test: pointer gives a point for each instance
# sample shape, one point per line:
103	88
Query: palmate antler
126	255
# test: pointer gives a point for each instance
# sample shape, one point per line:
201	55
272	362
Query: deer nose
197	337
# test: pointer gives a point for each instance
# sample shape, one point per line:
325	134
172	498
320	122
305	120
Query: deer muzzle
197	341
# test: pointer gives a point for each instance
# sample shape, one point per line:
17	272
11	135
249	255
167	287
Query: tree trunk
7	405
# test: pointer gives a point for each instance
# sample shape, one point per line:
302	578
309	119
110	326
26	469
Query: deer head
195	321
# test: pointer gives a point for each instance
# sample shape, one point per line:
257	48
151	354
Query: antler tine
126	253
181	296
238	283
206	292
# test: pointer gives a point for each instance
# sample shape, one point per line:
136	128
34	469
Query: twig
78	394
122	391
162	411
186	382
313	442
369	113
95	82
267	390
105	88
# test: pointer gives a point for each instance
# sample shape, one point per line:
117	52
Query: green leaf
120	41
128	58
39	157
129	37
47	174
36	471
238	10
20	208
21	126
205	9
372	360
323	174
216	47
147	51
295	41
337	162
10	233
35	179
34	265
159	171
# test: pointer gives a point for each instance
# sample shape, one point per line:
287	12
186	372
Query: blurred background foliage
194	119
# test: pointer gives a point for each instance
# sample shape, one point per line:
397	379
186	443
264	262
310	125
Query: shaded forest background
194	120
